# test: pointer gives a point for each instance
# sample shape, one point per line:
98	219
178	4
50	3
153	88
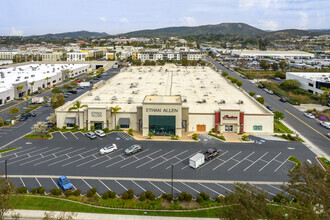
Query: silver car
133	149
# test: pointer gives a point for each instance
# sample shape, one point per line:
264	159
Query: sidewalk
38	214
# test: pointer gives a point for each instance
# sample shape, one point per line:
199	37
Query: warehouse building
168	100
311	81
273	54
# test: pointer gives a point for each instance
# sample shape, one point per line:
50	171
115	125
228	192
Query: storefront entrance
162	125
98	125
229	128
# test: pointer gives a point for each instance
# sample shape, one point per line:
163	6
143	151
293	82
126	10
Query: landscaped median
295	160
7	150
38	136
324	161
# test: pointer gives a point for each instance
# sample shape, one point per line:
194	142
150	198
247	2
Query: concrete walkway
38	214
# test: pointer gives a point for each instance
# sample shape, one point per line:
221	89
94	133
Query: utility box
197	160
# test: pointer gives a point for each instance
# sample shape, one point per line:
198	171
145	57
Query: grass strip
281	128
295	160
324	161
8	149
38	136
219	137
53	204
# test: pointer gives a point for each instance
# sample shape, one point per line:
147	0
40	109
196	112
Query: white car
309	115
266	90
108	149
99	133
328	134
270	92
325	124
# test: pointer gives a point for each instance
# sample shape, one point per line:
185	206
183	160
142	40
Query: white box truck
84	84
197	160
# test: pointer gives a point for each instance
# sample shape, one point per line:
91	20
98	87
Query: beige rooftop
202	89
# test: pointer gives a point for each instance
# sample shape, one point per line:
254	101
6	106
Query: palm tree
32	83
114	111
77	106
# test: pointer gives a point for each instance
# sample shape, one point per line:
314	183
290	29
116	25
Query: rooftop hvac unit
32	75
184	100
97	98
222	101
114	98
240	102
135	92
130	100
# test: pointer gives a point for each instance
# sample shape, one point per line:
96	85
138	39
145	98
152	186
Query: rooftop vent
114	98
135	92
222	101
240	102
97	98
130	100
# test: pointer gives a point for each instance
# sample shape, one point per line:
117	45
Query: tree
261	100
52	118
185	62
39	127
77	106
278	115
57	100
283	65
14	111
290	84
264	65
56	90
74	83
114	112
309	186
66	86
252	93
275	66
239	83
6	190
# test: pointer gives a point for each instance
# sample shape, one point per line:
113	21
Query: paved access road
41	162
309	128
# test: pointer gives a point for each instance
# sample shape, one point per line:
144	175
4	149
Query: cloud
246	4
303	20
123	20
15	32
269	25
188	21
103	19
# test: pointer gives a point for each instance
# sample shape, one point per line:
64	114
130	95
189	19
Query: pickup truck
210	154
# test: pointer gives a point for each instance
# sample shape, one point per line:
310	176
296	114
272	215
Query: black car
37	92
46	105
31	114
73	91
270	108
261	86
50	125
211	153
23	118
282	99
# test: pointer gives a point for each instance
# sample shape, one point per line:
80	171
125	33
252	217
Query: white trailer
84	84
197	160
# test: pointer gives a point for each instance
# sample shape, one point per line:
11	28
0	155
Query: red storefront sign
227	117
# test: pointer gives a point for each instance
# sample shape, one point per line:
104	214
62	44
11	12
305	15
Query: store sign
227	117
96	114
167	110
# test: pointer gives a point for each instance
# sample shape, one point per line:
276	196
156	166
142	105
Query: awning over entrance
123	121
70	120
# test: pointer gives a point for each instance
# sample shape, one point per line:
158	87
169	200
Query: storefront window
257	127
162	125
70	125
124	126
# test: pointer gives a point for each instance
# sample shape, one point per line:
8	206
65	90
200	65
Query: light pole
6	168
172	178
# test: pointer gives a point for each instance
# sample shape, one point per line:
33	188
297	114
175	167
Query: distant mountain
223	28
323	31
76	34
289	33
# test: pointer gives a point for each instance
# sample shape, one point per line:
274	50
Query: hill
76	34
289	33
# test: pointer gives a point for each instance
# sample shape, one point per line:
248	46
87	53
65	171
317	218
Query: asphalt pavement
309	128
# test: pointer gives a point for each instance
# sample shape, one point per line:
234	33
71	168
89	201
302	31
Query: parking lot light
172	178
6	168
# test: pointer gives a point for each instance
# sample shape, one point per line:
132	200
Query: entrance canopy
70	120
123	121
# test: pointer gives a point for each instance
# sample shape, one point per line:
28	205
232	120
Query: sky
30	17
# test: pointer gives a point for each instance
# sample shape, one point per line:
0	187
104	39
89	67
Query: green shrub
34	191
130	131
105	195
188	197
58	192
217	199
213	130
68	193
164	196
205	196
89	194
195	136
142	197
106	130
92	127
261	100
77	192
53	191
224	74
41	190
125	195
199	199
93	190
169	197
1	122
21	189
148	193
180	197
278	197
252	93
130	193
152	197
112	194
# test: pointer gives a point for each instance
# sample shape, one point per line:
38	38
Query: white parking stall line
210	189
171	186
264	161
3	133
121	185
255	161
27	157
34	156
154	159
209	162
73	186
241	161
235	160
138	185
75	136
190	187
165	160
125	158
95	158
59	161
56	157
281	165
226	161
104	185
182	160
54	183
18	152
223	187
27	153
278	189
156	187
38	181
63	135
89	186
106	160
249	160
264	190
278	161
82	157
21	124
137	159
270	161
53	154
22	181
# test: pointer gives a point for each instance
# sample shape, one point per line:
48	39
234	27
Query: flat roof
316	76
162	99
272	52
201	88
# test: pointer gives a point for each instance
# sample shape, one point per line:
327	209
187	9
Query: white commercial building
311	81
274	54
17	82
76	56
169	100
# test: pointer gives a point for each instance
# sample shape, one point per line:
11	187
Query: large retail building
168	100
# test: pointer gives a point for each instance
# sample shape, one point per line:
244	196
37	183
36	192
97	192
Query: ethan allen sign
96	114
227	117
167	110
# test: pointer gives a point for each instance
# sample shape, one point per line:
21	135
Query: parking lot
76	156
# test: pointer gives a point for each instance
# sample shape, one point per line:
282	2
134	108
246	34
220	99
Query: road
309	128
9	134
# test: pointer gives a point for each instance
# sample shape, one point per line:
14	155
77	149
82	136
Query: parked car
282	99
133	149
90	135
260	86
73	91
210	154
23	118
322	118
46	105
270	108
265	89
31	114
328	134
309	115
270	92
99	133
108	149
278	78
37	93
325	124
64	183
65	95
50	125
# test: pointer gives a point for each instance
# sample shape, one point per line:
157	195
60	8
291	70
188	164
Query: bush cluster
91	192
21	190
185	196
168	197
202	197
55	192
129	194
150	195
109	194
